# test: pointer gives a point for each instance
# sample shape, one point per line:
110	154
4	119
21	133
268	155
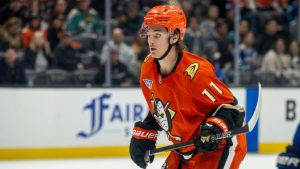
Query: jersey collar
174	68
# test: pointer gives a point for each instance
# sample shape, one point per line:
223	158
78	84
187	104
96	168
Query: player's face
157	40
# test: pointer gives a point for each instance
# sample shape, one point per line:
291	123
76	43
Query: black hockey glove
289	159
212	126
143	139
225	117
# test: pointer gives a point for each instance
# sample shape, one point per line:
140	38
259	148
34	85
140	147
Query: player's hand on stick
212	126
142	139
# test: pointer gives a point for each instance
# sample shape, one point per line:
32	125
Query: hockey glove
143	139
212	126
289	159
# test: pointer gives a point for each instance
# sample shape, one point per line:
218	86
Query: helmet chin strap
166	53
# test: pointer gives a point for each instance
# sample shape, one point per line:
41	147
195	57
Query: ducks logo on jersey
164	115
192	70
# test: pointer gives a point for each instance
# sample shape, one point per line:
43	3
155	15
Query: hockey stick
246	128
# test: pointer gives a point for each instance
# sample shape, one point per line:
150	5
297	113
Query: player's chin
154	55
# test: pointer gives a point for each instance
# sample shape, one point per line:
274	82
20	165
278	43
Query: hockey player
185	99
291	158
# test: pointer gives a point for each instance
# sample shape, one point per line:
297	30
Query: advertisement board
76	122
279	118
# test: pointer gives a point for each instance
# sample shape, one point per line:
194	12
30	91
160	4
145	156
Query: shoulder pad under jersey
147	57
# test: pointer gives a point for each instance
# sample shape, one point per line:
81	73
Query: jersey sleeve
143	82
208	91
147	95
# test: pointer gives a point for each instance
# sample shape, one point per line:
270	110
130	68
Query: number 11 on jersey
207	93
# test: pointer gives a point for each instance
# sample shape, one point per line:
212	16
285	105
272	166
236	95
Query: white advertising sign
280	115
68	117
65	117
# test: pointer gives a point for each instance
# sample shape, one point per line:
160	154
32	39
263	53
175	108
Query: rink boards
75	122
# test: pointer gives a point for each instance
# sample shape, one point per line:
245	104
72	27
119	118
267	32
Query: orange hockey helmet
169	16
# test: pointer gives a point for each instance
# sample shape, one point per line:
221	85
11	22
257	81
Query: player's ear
175	37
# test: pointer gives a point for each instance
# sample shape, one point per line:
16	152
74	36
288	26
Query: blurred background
69	71
68	42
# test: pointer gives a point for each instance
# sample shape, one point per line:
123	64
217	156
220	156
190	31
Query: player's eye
157	35
149	35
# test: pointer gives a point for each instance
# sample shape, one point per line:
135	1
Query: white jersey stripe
231	153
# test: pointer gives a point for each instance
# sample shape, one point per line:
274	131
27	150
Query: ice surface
252	161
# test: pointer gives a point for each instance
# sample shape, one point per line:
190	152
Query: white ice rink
252	161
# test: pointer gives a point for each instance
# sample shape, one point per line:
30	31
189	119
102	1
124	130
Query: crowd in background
48	42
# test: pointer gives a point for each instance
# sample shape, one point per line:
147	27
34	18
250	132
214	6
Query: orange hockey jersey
180	101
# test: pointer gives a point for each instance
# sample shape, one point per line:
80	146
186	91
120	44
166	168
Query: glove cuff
140	133
218	122
293	149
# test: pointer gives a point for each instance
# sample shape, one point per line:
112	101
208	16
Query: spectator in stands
84	21
33	26
66	54
132	20
292	14
120	76
139	46
59	11
127	56
229	15
211	53
55	32
11	68
208	25
10	34
248	54
200	8
193	37
277	63
243	30
249	60
45	9
225	46
267	40
186	6
294	51
15	8
34	8
38	56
